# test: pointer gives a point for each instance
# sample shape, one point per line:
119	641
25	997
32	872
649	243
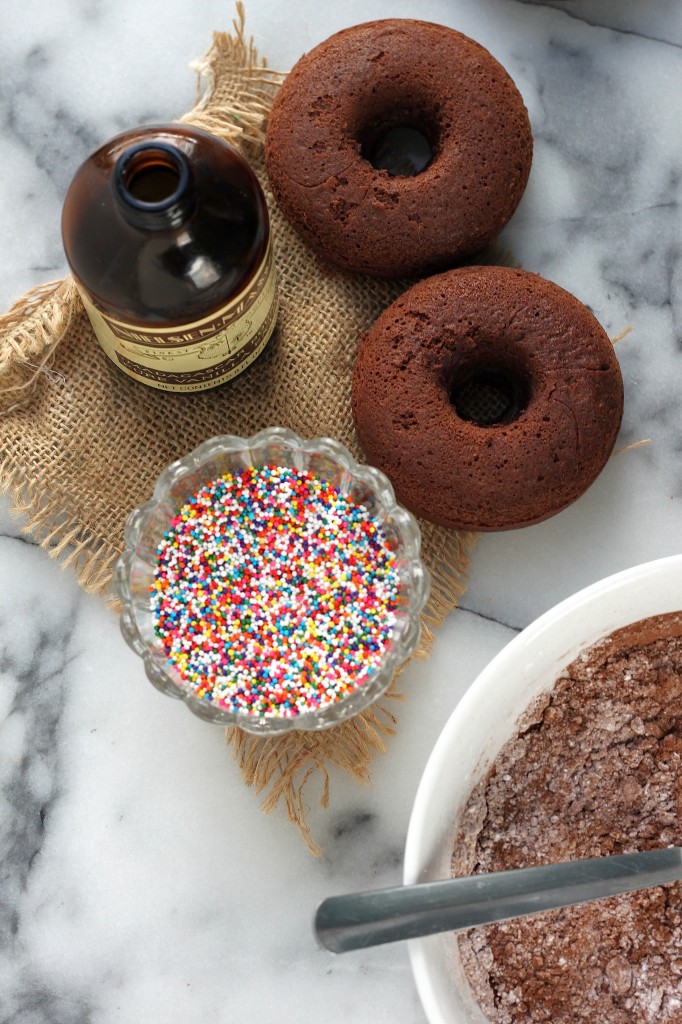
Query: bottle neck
154	186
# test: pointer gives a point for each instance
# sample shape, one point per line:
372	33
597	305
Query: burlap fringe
31	330
238	118
33	327
63	540
645	440
284	766
623	334
631	447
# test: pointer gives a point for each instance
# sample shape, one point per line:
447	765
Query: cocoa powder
595	768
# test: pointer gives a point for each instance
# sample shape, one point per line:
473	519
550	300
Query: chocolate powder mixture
595	769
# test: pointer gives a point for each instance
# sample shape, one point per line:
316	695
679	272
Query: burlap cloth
82	444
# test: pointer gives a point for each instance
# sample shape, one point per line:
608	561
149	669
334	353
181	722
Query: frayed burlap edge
61	537
286	764
31	331
33	327
238	118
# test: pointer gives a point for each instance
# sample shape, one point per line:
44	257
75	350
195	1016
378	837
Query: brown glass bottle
167	235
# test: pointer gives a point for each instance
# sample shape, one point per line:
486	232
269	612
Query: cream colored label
200	355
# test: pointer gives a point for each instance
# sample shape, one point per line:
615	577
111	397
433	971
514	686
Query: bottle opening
152	177
402	151
153	183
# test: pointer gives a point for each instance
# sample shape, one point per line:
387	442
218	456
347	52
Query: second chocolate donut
490	397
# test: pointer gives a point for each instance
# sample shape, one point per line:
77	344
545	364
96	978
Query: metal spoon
358	920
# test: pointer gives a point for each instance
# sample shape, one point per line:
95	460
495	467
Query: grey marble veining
140	880
660	22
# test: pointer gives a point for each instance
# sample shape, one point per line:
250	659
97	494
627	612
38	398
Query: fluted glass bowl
326	459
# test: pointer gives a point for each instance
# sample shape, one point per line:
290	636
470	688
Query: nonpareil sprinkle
274	594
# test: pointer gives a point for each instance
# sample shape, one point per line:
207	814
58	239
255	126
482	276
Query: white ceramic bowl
482	723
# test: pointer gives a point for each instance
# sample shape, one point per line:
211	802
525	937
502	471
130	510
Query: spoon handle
358	920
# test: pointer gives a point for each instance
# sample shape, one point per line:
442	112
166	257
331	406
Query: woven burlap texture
82	444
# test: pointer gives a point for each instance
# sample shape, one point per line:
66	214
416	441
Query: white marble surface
140	882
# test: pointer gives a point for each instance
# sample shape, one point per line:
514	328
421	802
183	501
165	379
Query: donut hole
398	138
402	151
490	395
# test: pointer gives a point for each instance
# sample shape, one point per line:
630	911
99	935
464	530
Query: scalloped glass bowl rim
414	578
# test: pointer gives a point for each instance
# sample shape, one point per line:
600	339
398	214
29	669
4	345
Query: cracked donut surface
344	96
490	397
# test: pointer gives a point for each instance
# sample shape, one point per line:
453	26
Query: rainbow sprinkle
274	594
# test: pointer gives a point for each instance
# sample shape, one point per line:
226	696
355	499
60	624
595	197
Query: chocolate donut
357	120
490	397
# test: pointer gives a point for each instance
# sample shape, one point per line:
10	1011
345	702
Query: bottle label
200	355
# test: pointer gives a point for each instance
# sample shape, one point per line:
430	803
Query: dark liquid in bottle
166	232
164	226
154	183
